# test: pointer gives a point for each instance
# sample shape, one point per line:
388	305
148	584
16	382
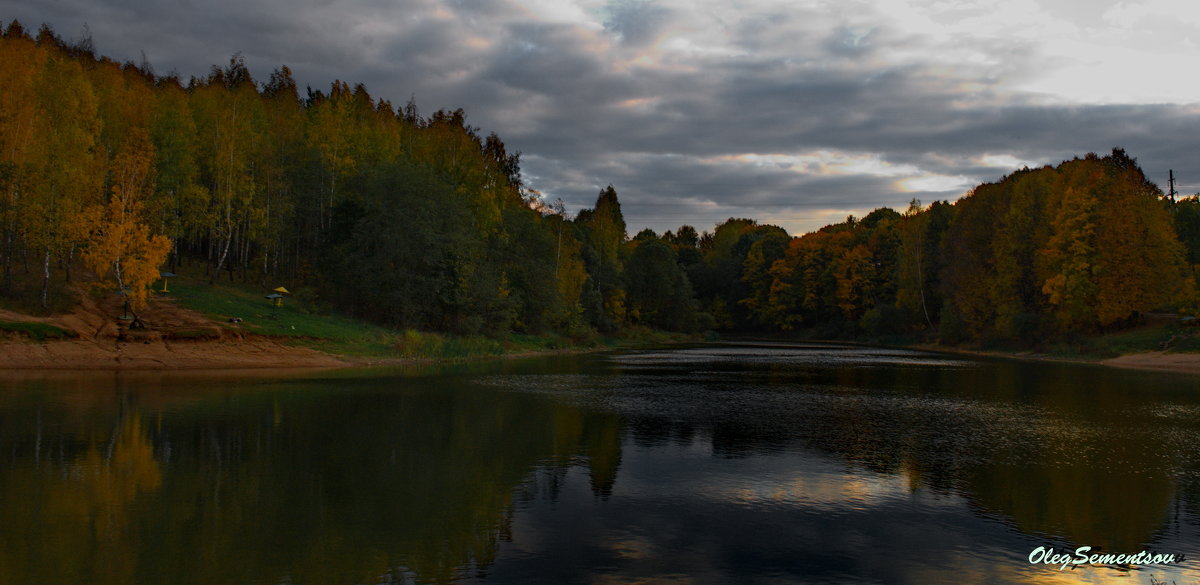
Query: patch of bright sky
809	220
586	14
1005	161
935	184
909	178
825	162
1077	48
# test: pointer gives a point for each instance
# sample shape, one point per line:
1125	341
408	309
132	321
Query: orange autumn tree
1111	254
118	239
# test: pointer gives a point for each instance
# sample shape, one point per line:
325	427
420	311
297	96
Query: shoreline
216	355
270	354
1160	361
1180	363
162	355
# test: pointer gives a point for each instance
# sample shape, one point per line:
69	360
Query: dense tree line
388	215
1084	247
421	221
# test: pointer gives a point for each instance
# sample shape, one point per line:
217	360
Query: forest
112	173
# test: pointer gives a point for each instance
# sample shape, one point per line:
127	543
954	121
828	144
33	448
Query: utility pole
1171	182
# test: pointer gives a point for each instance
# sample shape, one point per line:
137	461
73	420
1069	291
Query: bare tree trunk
117	272
221	262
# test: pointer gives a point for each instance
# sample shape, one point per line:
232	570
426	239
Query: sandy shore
1182	363
1187	363
265	353
161	355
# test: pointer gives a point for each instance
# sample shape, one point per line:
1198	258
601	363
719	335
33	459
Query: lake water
748	463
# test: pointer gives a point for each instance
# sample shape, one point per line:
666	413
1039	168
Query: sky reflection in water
809	463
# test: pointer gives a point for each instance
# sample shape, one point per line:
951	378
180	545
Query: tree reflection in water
755	464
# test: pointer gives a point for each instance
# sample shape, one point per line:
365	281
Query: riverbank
1188	363
1159	343
205	327
262	353
250	353
212	327
1177	362
162	355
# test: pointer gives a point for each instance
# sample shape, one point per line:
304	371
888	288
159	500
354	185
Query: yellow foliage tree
118	241
1141	262
20	67
70	166
570	273
1112	254
1072	251
854	273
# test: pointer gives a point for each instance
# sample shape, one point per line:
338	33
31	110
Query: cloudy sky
796	113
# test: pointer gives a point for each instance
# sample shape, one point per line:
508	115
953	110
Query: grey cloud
665	191
543	58
850	42
636	22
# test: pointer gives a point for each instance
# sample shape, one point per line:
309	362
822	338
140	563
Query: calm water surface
734	463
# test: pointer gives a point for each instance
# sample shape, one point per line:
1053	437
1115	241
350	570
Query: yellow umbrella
283	290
